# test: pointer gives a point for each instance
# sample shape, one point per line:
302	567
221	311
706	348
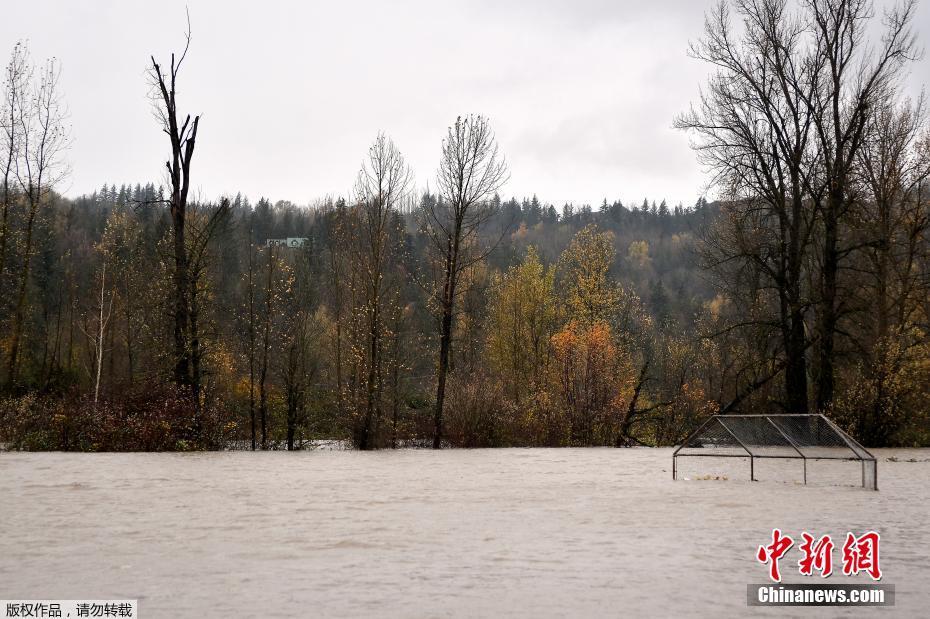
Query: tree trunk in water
445	335
796	367
444	345
371	387
395	386
796	341
828	311
292	406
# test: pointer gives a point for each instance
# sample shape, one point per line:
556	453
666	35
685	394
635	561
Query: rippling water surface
534	532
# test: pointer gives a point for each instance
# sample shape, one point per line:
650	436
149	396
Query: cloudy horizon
582	95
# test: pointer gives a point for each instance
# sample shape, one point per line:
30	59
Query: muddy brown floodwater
525	532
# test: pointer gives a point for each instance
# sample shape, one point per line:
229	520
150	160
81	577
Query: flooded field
536	532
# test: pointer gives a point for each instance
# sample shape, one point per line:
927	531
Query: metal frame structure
748	442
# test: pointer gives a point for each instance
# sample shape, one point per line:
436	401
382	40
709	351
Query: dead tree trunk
182	136
471	170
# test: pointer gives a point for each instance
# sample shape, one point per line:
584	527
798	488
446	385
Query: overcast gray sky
581	93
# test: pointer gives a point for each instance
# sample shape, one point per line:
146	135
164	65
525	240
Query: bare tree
40	166
753	131
852	80
891	224
182	136
16	80
471	170
383	182
780	126
894	167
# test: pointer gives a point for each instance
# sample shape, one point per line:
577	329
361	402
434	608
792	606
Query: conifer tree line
139	317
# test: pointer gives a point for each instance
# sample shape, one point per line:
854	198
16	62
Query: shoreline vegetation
138	318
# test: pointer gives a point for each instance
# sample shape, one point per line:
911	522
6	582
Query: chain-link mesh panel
760	437
858	449
712	439
817	438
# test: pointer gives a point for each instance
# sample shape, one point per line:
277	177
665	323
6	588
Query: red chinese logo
773	552
818	555
860	554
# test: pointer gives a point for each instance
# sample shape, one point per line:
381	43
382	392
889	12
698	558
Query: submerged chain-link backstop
800	437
